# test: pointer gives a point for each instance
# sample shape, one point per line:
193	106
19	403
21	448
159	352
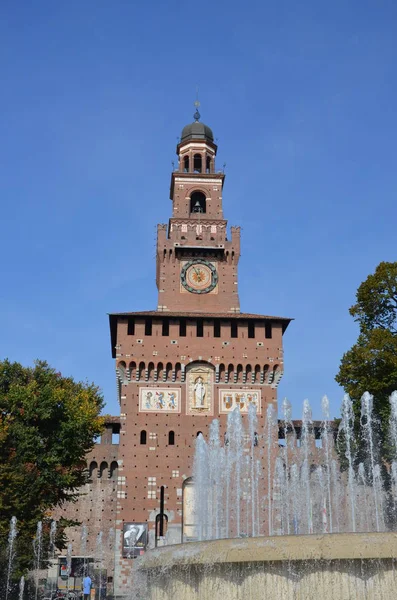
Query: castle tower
196	358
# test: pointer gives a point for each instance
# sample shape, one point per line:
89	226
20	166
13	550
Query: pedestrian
87	583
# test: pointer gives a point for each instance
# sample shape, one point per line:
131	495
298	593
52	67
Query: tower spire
197	115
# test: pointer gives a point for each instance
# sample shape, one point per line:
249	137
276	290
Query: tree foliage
47	425
371	364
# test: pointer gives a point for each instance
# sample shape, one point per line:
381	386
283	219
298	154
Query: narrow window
171	438
200	328
197	163
182	328
166	327
186	164
208	165
115	437
148	326
233	329
217	328
143	437
131	326
251	329
268	330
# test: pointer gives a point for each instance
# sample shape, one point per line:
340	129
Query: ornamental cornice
195	222
195	180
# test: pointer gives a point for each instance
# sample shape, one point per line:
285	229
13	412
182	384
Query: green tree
47	425
371	364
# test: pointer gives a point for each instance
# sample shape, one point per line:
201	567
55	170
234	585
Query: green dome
197	131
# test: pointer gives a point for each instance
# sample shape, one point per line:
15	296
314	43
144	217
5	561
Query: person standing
87	583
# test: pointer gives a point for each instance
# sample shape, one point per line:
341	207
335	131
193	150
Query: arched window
132	368
248	371
177	371
93	469
160	370
257	373
121	367
168	372
143	437
208	165
199	433
198	203
103	469
113	470
186	164
171	438
197	167
141	370
150	370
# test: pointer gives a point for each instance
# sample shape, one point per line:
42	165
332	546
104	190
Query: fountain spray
11	552
37	543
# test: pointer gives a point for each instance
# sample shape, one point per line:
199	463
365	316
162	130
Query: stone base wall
330	567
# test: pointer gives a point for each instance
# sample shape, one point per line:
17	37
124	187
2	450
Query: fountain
248	518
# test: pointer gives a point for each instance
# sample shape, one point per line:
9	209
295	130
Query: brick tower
195	358
196	263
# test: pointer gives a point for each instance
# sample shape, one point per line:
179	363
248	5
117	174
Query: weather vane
197	115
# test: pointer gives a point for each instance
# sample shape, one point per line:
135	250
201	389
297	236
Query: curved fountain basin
344	566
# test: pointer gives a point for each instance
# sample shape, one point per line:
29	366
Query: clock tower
196	262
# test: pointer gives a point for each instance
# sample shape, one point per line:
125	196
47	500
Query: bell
197	207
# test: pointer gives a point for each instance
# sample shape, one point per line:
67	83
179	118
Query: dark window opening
197	163
197	203
199	433
186	164
165	327
182	328
217	328
171	438
208	165
143	437
268	330
256	439
131	326
200	328
148	326
251	329
233	329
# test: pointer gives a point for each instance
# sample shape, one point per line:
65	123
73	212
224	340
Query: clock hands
198	273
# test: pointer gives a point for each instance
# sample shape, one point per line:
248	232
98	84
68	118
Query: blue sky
301	97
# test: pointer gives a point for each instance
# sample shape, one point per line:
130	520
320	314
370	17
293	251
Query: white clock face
199	276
